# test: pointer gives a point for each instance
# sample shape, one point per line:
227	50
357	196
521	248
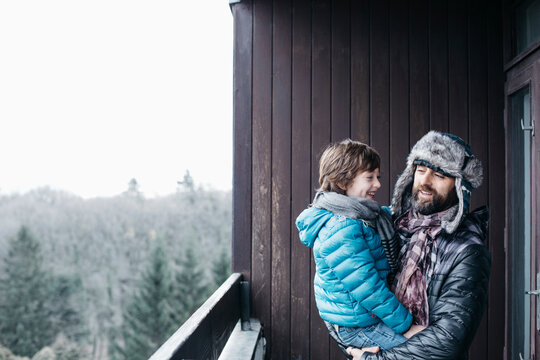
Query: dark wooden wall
383	72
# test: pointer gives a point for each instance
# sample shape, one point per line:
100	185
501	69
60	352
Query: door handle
533	292
527	128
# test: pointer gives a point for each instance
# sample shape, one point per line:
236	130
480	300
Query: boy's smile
364	185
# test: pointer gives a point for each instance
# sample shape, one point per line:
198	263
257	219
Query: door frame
525	72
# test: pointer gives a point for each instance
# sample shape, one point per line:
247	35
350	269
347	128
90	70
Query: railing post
245	305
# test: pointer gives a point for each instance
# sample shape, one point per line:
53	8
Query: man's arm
456	314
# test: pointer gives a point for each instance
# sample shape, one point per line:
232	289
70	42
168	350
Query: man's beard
437	204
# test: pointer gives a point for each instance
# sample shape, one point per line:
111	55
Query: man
443	264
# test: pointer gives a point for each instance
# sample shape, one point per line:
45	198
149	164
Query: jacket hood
310	222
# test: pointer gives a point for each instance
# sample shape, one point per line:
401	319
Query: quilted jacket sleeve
455	314
349	257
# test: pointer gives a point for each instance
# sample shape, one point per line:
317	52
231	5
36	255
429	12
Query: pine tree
190	287
186	188
6	354
47	353
147	319
64	316
64	349
187	183
221	268
25	326
133	191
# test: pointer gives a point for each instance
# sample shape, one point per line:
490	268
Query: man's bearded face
432	192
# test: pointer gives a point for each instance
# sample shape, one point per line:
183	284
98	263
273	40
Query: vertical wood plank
419	76
399	89
508	51
301	281
496	182
281	180
341	70
478	63
478	127
262	162
380	83
320	137
321	83
438	65
360	98
458	68
242	77
341	89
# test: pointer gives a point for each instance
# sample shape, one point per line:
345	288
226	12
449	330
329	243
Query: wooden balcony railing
221	322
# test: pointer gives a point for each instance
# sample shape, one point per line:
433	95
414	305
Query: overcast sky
96	92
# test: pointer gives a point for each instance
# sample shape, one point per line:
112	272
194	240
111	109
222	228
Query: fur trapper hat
449	155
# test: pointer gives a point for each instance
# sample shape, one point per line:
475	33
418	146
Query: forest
107	278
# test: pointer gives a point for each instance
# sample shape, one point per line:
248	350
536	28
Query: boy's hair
341	162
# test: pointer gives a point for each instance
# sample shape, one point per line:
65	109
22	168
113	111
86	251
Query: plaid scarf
418	258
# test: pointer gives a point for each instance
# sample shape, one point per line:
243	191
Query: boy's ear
342	186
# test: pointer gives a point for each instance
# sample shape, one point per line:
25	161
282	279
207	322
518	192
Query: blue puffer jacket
350	283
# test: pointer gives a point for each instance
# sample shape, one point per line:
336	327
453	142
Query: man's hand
413	330
357	353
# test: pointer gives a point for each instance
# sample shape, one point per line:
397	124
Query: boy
344	226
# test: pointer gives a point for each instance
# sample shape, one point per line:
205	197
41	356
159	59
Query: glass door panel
519	124
527	18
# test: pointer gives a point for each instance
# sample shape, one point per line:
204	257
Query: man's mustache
426	188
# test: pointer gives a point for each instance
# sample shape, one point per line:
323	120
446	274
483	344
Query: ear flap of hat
473	172
401	199
450	221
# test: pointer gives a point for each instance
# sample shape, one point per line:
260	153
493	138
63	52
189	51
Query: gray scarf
369	212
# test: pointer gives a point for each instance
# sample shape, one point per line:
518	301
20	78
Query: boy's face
364	185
